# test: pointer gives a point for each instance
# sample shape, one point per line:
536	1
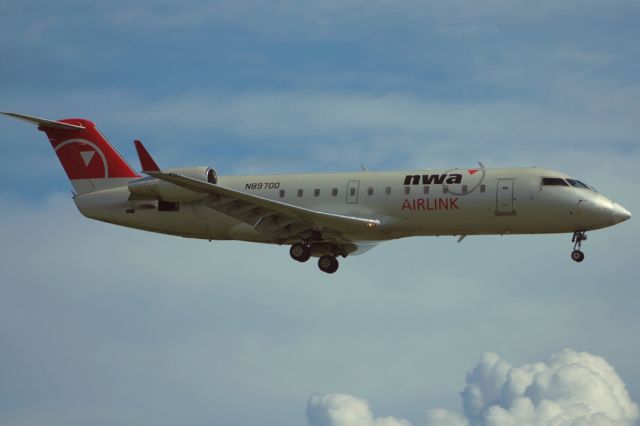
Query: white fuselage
407	203
321	215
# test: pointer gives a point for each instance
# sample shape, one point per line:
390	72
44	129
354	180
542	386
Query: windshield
557	181
553	181
576	183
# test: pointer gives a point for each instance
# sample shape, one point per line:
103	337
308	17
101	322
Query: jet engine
156	188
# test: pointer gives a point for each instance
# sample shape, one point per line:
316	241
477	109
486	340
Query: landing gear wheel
577	255
578	238
300	252
328	264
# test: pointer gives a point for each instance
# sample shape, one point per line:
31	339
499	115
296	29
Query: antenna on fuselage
480	164
364	168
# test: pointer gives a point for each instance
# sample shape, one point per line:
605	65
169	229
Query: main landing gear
328	264
578	238
302	252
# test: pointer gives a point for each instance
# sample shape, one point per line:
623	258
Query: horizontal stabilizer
44	123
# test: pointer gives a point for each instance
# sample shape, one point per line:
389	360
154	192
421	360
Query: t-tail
90	161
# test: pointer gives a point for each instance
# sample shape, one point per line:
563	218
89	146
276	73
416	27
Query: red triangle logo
472	171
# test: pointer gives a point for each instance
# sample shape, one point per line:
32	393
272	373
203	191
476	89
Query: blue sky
108	326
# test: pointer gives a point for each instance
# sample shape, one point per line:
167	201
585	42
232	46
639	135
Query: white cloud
442	417
335	409
570	388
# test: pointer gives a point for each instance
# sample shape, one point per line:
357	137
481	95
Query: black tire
328	264
577	256
300	252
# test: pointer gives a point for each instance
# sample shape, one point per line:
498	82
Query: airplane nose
619	213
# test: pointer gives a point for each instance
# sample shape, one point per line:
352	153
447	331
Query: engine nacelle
153	187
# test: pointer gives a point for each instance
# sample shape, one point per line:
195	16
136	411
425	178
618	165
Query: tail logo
80	155
87	156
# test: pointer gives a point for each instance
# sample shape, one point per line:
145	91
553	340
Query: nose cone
619	213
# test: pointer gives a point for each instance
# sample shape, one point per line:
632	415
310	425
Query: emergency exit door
352	191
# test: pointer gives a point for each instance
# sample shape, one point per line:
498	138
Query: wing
279	221
267	216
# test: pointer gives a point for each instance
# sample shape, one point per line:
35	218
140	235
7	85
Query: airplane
323	215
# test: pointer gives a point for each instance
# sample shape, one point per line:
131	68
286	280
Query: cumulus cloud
335	409
569	389
442	417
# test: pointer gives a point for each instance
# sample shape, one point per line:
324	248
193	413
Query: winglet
147	163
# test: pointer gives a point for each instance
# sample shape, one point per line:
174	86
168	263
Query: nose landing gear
578	238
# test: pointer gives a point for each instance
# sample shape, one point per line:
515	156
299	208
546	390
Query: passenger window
483	188
352	191
316	192
551	181
282	193
465	189
334	192
387	190
369	191
425	189
407	190
300	192
445	189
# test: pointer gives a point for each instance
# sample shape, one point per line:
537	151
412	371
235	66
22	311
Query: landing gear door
352	191
504	197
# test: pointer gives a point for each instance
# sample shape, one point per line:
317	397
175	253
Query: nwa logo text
437	179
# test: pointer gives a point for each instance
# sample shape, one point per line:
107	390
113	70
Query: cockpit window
552	181
578	184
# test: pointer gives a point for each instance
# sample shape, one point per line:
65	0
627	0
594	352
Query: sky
108	326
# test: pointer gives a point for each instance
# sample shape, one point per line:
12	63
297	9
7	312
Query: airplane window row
387	191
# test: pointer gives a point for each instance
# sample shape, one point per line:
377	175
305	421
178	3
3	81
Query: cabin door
504	197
